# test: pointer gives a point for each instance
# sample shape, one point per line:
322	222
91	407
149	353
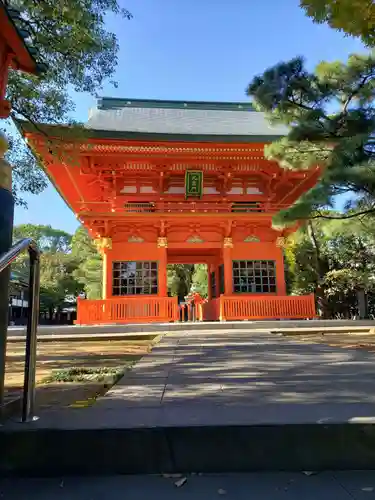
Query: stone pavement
359	485
213	401
251	378
231	377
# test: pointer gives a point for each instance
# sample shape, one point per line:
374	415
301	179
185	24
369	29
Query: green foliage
333	259
57	264
89	269
353	17
331	120
80	54
47	238
84	374
200	279
179	279
183	278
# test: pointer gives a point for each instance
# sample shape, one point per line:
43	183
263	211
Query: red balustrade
267	307
211	309
138	309
165	309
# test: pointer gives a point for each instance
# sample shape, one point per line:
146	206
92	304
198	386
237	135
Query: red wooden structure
158	182
15	52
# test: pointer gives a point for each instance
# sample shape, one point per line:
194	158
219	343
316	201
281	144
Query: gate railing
267	307
140	309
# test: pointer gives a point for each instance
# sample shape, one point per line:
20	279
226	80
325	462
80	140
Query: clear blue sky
198	50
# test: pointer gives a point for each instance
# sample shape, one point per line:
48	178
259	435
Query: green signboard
193	183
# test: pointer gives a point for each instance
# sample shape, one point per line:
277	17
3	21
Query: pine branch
356	91
319	215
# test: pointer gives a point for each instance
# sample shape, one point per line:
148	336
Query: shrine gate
159	182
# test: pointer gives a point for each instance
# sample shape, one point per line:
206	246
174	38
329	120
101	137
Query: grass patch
70	373
85	374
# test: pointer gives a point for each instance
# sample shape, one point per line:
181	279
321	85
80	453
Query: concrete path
347	485
234	378
222	377
231	377
213	401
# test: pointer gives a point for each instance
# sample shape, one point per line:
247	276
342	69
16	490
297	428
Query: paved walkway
200	401
230	377
326	486
249	378
235	377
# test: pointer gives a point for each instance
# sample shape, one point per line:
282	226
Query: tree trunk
320	269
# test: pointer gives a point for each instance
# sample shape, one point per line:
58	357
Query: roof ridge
107	103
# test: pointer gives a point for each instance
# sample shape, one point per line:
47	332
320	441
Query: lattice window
135	278
254	276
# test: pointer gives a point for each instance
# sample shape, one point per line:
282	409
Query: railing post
28	400
228	266
221	308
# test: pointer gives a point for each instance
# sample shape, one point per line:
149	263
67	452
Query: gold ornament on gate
162	242
103	244
228	242
280	241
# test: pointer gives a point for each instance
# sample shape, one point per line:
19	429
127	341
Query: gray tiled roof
188	118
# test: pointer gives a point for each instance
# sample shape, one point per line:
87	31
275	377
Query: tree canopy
353	17
331	120
69	265
47	238
335	259
89	263
57	281
80	53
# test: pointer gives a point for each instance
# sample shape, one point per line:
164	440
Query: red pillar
227	260
162	267
104	245
209	281
280	268
217	279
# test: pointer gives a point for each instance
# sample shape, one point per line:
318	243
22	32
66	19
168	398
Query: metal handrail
28	397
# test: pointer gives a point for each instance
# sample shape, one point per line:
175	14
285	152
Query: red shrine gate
158	182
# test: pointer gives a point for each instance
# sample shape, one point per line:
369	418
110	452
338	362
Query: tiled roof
181	117
23	48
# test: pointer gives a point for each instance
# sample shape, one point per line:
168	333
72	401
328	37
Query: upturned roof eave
61	132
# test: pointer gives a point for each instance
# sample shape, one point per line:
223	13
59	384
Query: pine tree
353	17
331	118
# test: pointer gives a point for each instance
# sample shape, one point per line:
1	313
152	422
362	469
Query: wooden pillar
162	266
217	279
209	281
104	245
280	268
105	274
228	271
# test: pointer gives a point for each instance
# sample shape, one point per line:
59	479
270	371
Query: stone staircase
213	400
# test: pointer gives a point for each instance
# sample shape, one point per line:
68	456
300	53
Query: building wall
240	251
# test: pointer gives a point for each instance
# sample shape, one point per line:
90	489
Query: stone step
205	449
343	485
90	331
326	330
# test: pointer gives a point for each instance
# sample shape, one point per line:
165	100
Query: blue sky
198	50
